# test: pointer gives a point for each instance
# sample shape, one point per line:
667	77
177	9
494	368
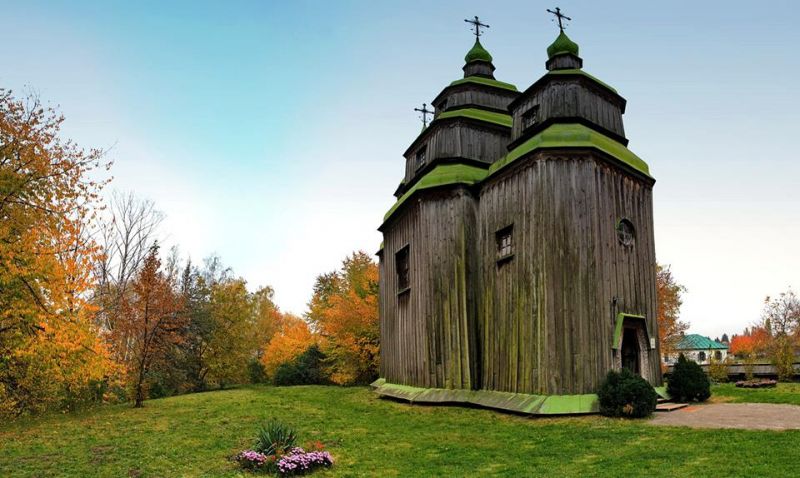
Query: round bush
688	382
624	394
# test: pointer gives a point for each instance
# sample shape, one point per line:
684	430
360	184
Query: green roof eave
442	175
485	81
573	135
477	114
576	71
617	341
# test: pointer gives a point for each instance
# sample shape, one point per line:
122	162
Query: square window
420	157
530	117
505	242
402	266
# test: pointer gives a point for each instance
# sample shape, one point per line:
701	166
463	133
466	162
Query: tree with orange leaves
668	293
149	323
344	311
292	339
49	197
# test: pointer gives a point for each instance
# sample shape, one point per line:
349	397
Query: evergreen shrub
688	382
624	394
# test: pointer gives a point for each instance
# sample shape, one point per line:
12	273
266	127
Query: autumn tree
150	321
749	346
781	319
344	311
292	339
669	292
49	198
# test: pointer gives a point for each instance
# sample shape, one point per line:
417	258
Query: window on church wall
626	233
401	261
718	355
504	239
530	117
701	357
420	157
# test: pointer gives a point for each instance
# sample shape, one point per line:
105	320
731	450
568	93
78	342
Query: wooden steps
669	406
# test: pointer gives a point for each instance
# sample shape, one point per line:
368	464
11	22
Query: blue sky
272	132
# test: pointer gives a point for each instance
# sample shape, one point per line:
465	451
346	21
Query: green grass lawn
783	393
193	435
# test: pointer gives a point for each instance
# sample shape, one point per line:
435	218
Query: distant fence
737	370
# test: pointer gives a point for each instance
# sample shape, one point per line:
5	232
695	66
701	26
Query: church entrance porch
632	345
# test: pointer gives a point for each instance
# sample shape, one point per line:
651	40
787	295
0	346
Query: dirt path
753	416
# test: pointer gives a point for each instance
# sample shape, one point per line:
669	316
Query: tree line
92	309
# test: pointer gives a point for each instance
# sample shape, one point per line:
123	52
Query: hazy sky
272	132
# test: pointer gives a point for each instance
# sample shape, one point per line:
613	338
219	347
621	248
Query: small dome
562	45
478	52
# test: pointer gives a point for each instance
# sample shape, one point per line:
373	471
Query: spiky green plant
275	437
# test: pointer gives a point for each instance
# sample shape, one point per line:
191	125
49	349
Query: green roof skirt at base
512	402
572	135
441	175
485	81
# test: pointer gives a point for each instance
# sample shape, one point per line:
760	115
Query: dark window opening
530	117
701	357
626	232
505	243
420	157
402	265
718	355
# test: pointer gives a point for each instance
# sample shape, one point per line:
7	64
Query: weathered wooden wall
428	334
570	99
460	139
546	317
468	94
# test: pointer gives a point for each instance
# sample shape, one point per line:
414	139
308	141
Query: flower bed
275	452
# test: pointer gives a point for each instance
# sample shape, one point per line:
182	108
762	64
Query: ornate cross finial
559	16
476	24
425	112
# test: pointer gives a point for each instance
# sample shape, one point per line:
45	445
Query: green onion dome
478	52
562	45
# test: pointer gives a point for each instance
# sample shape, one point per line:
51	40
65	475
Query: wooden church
518	264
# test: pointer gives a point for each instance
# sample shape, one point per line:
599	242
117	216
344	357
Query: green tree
234	340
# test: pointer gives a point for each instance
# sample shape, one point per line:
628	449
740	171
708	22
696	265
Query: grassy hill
193	435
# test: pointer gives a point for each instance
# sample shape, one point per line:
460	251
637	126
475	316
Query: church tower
518	264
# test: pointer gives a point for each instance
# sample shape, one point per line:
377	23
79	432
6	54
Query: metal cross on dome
425	112
476	24
559	16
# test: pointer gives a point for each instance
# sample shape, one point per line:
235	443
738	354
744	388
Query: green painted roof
478	52
478	114
441	175
582	73
571	135
562	45
698	342
485	81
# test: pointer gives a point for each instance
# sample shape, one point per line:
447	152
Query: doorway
630	350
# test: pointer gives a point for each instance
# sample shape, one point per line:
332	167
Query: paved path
753	416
